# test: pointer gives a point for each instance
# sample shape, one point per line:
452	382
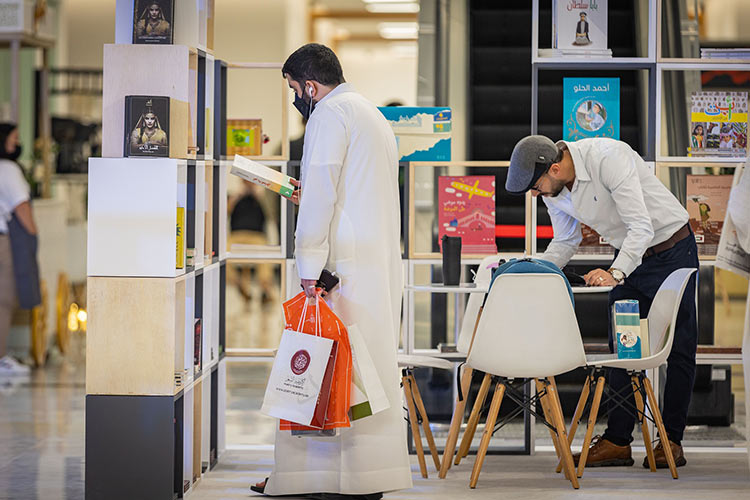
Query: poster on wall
707	198
422	133
718	124
153	22
466	208
591	108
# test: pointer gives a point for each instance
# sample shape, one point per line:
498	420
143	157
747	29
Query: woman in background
14	199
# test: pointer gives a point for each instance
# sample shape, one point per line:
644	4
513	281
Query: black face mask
305	108
15	154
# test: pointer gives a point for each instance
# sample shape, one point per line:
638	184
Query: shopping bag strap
318	328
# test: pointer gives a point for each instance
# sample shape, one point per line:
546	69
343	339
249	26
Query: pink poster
466	208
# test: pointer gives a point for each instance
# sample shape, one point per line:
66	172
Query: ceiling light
389	7
398	30
389	1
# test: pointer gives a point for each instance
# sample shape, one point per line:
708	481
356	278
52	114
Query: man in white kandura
348	223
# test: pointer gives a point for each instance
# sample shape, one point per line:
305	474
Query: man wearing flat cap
606	185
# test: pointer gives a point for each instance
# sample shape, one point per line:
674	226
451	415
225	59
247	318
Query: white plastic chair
528	330
662	318
473	309
414	403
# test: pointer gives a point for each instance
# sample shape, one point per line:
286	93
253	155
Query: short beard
557	187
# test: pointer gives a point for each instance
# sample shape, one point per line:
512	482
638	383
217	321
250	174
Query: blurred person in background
15	216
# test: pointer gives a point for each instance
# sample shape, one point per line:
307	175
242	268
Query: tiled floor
708	476
42	449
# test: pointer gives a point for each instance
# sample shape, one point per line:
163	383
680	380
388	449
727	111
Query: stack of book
725	53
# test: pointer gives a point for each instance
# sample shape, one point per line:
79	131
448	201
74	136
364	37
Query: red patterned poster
466	208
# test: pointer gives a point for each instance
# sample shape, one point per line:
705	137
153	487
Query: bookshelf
155	418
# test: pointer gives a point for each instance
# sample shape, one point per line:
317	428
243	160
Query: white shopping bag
368	396
296	389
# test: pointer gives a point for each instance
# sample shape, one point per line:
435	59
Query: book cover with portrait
580	26
466	208
591	108
707	198
153	21
718	124
146	126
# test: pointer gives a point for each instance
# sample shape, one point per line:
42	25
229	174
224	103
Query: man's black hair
314	62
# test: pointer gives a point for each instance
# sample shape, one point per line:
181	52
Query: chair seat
413	361
611	361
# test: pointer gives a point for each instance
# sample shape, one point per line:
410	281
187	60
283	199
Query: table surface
473	288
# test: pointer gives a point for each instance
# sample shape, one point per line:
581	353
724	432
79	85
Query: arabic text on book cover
580	25
591	108
466	208
718	124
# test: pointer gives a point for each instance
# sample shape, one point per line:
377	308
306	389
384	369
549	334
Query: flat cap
530	159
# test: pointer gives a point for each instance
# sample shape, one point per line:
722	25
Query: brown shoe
661	458
604	453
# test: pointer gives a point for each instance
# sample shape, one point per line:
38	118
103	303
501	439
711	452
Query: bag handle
318	328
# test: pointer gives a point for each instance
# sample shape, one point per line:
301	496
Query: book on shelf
146	126
197	350
190	217
259	174
244	137
466	208
707	198
153	21
592	243
718	124
726	53
180	237
579	27
591	108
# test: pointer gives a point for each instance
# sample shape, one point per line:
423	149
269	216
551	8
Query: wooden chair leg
593	414
425	421
577	415
458	416
414	425
489	428
544	402
476	412
565	454
644	422
660	425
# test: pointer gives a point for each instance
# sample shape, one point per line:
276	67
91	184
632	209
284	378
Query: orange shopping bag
333	328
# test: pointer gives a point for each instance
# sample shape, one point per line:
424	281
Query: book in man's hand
262	175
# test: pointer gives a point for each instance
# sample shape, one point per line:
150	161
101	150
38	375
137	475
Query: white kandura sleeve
620	177
326	143
567	237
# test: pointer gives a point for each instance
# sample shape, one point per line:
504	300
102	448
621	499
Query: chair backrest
483	278
528	328
662	316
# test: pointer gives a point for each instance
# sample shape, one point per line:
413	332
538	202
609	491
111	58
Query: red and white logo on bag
300	362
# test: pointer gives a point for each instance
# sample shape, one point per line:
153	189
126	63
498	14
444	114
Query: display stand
155	417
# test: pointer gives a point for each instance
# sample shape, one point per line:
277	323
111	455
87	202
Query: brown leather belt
678	236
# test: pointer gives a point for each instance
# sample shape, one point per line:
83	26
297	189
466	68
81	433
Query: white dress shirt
616	194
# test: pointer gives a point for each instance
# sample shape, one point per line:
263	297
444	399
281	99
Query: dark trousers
642	284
